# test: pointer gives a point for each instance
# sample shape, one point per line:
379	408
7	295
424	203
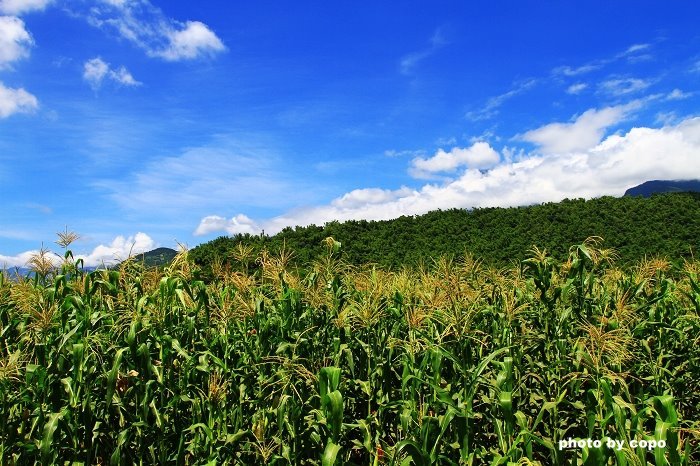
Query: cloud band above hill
607	167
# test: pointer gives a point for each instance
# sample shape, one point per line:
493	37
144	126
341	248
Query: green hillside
156	258
665	224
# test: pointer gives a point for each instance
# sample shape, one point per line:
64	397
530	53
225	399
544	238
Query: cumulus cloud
147	27
606	168
479	155
23	258
238	224
194	40
96	70
18	7
123	76
118	250
15	40
581	134
369	196
16	101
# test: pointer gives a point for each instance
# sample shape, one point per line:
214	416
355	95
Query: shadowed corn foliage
453	362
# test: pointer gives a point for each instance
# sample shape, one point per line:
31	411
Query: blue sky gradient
139	123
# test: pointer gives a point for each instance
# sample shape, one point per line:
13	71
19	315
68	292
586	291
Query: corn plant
449	363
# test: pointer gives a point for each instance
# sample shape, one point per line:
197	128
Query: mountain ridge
648	188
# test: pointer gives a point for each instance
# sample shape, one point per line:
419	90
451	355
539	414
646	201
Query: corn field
452	362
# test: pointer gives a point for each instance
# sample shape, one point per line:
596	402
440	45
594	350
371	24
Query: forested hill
157	257
665	224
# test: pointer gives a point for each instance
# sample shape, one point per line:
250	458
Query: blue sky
140	123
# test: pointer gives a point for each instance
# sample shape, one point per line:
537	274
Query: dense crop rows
452	363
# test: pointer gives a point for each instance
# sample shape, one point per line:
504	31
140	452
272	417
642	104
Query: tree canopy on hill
156	258
663	225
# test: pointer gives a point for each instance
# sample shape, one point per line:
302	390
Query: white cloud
666	118
410	61
678	94
479	155
640	58
576	88
18	7
581	134
636	48
492	106
16	101
21	234
118	250
579	70
123	76
624	86
451	141
117	3
369	196
631	55
403	153
96	70
44	209
223	173
486	135
146	26
195	40
608	168
21	259
238	224
15	40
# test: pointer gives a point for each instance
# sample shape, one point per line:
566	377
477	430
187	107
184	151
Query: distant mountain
15	272
648	188
156	258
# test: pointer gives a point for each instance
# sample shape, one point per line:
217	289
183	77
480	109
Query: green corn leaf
47	438
330	454
328	380
113	374
334	407
408	452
